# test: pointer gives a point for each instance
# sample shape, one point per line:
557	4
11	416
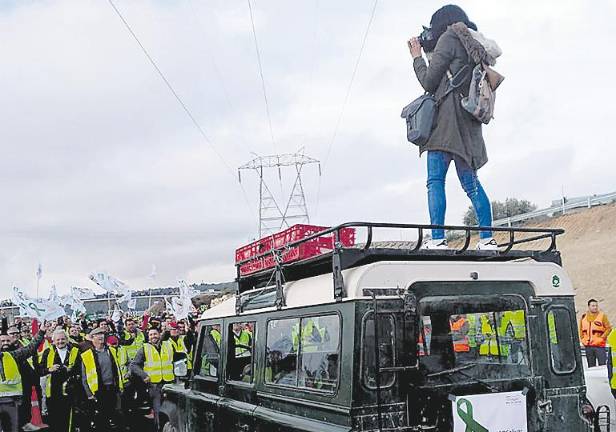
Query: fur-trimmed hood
479	48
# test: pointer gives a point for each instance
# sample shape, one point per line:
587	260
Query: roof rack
342	257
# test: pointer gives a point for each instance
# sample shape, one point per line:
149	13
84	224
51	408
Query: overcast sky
102	169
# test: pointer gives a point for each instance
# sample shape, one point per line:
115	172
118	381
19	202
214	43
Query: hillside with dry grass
588	250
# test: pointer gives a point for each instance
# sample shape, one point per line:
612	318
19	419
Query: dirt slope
589	255
588	249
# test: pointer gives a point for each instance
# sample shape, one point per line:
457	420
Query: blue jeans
438	164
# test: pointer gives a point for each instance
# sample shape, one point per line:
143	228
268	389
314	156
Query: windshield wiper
461	370
452	370
480	381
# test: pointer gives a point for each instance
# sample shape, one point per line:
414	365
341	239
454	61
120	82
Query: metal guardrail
588	202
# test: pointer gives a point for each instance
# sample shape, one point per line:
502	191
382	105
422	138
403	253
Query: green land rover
386	336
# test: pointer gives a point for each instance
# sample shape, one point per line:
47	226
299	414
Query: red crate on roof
309	249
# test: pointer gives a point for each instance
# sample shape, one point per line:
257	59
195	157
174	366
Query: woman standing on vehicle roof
452	43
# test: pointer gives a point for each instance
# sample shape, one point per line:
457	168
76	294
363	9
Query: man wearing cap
154	365
102	381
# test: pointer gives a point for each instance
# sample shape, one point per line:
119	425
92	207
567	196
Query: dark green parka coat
456	130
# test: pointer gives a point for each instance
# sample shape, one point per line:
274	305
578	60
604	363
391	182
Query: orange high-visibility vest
593	333
460	341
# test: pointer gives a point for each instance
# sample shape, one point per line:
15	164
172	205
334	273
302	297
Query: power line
170	87
267	110
348	92
179	99
346	97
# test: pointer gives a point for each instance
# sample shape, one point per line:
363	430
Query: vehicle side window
318	341
281	361
386	335
303	352
210	351
241	347
560	334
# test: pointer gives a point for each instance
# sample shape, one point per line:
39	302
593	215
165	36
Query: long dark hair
446	16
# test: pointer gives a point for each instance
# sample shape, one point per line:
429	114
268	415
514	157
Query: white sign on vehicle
491	412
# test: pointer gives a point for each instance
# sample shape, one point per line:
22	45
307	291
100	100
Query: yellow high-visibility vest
611	341
180	346
10	383
244	338
159	366
138	341
552	329
516	320
490	345
123	361
89	364
51	357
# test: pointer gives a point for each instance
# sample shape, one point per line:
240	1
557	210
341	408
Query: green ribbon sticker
466	415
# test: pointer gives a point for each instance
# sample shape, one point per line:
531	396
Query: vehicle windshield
487	331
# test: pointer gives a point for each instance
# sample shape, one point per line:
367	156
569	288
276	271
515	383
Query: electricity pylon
272	217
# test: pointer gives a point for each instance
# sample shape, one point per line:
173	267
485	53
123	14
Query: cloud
102	169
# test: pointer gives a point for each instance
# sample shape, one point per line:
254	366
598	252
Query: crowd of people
101	374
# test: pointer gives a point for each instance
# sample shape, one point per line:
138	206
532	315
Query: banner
490	412
43	310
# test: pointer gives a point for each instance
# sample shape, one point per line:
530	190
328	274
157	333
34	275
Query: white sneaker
435	244
487	244
30	427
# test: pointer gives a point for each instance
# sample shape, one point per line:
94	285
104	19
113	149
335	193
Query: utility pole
272	216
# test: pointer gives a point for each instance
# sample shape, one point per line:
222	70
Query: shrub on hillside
500	210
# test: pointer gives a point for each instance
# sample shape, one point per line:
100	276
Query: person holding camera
453	47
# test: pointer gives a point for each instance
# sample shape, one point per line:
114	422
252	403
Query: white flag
43	310
53	295
82	293
39	271
132	303
110	284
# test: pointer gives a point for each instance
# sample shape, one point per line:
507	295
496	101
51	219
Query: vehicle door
202	400
473	346
564	404
239	401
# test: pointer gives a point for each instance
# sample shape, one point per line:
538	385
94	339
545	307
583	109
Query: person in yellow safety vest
211	352
553	339
242	336
29	377
131	338
611	360
492	344
311	335
179	343
102	381
189	337
154	365
11	385
60	362
513	327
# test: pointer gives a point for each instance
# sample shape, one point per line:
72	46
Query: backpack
481	93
